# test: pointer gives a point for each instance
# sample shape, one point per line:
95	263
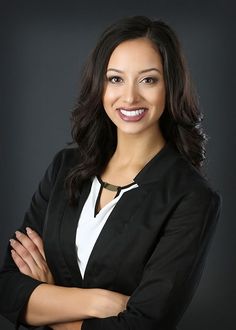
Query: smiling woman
118	231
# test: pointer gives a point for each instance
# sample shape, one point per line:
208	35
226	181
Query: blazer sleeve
15	287
173	271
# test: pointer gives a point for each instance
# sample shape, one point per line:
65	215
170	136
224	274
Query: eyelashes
114	79
118	80
150	80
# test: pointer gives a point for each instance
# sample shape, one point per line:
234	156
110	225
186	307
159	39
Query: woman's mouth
132	114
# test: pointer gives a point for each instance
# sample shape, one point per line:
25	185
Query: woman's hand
28	255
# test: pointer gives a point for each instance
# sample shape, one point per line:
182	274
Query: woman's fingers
37	240
21	264
28	255
23	253
28	250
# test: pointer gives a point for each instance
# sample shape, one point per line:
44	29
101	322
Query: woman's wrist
97	302
104	303
87	299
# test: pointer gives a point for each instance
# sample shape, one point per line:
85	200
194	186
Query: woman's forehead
139	54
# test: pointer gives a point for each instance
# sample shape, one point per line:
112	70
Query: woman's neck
137	149
133	152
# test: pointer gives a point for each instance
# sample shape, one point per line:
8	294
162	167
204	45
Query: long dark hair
93	131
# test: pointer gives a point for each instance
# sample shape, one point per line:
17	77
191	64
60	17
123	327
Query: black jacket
152	247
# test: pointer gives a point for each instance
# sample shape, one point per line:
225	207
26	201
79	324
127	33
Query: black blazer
152	247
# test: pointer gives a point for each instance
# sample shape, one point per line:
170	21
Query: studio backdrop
43	47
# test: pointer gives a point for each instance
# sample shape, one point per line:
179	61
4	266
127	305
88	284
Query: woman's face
134	91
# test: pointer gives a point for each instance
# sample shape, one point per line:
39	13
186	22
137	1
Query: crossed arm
56	306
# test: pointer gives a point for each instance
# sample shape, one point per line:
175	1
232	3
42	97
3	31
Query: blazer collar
158	165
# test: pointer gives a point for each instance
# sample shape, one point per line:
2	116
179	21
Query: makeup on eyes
114	79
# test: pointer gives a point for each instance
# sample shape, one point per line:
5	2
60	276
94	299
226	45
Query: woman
146	214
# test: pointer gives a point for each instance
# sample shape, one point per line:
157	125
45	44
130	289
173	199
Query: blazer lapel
68	234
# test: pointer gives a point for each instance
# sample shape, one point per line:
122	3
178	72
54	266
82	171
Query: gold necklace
109	186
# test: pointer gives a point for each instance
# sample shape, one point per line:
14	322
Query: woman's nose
131	94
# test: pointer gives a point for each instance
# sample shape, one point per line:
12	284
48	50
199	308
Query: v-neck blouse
91	222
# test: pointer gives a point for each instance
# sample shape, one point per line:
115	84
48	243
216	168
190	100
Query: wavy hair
93	131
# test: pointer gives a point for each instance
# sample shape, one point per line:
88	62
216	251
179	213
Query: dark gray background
43	46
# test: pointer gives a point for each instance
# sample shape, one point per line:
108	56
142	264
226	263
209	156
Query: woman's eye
150	80
114	79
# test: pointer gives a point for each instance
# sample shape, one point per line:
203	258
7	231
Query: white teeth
132	113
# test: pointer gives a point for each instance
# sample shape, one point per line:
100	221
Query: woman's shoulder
62	162
68	156
184	177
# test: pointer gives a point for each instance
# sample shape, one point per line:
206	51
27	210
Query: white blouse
91	223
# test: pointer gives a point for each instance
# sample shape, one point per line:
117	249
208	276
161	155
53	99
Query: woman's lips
131	115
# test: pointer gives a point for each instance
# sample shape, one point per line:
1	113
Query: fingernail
29	230
12	241
13	252
18	233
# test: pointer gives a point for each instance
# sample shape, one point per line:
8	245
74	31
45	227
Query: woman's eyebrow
151	69
142	71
